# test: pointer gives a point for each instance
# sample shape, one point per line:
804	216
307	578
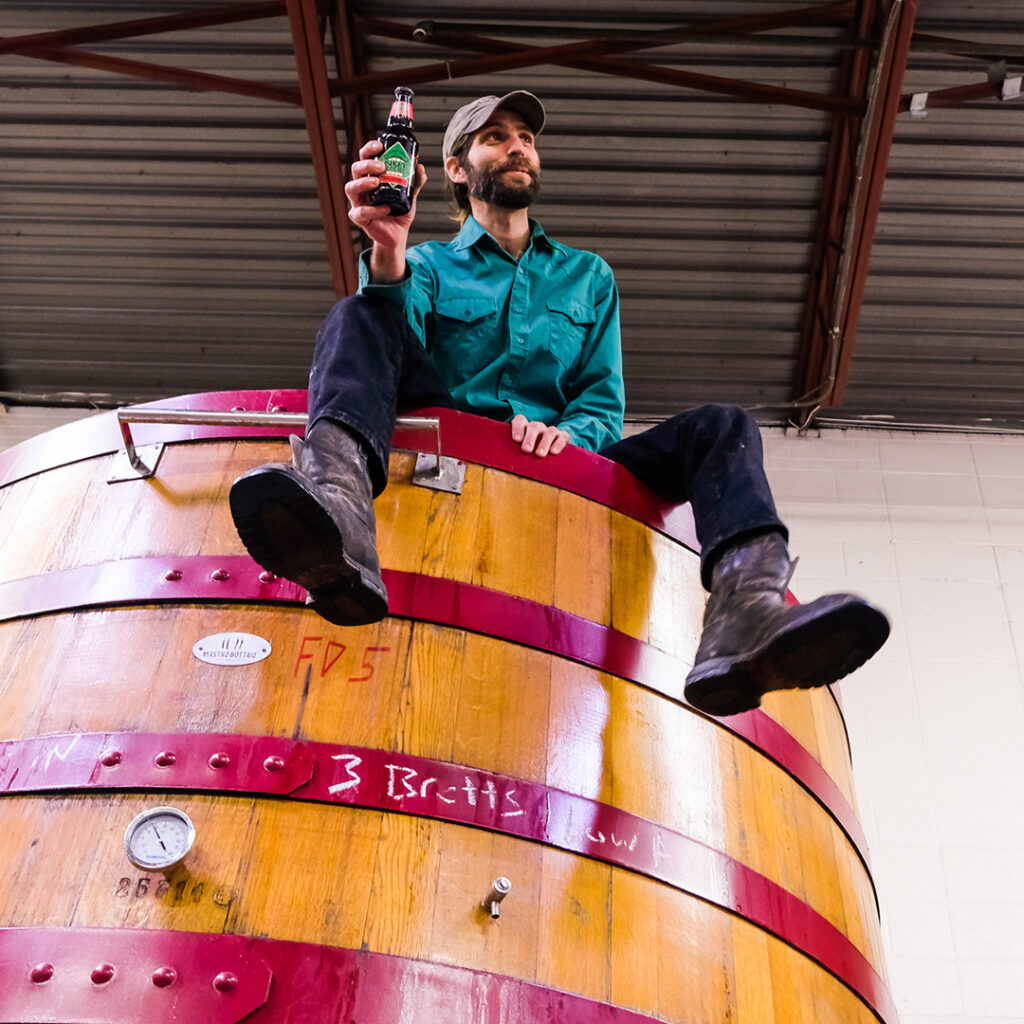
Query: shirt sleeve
594	413
395	293
413	294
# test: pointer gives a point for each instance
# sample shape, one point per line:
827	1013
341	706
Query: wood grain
517	536
392	882
436	692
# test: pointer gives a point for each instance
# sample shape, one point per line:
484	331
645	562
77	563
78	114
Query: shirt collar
472	232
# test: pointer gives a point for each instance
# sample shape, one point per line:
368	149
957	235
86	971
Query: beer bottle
399	157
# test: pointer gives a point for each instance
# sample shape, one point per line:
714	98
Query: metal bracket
439	473
132	463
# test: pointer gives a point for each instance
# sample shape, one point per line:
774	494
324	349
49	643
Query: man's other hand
539	438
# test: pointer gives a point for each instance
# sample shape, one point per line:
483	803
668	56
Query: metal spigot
499	890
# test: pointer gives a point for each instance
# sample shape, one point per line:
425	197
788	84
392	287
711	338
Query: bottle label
397	166
401	108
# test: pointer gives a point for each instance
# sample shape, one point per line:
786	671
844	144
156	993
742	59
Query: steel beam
836	195
855	180
307	40
881	130
521	58
990	53
751	92
196	81
350	64
625	42
590	55
228	15
958	95
59	47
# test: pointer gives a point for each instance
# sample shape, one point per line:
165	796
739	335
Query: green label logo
397	165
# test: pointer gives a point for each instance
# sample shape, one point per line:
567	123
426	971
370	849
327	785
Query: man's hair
457	194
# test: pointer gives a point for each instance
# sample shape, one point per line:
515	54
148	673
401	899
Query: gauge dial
159	838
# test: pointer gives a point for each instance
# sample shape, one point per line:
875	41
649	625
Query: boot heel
352	601
729	690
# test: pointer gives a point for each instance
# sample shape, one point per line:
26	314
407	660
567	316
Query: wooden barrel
356	791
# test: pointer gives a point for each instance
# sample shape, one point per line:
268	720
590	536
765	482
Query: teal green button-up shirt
539	336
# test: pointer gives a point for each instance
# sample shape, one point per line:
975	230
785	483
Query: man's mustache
519	165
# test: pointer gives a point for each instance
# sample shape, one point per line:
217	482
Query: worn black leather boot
312	522
754	642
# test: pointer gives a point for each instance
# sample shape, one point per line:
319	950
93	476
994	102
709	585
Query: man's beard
488	185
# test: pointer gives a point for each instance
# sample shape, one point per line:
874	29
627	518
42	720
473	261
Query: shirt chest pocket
464	335
570	321
463	310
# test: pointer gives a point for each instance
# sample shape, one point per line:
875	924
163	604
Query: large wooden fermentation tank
356	792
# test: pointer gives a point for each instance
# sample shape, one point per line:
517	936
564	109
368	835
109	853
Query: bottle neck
401	113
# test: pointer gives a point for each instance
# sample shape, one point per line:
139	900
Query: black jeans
369	366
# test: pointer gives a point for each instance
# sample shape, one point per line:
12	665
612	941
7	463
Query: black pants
369	366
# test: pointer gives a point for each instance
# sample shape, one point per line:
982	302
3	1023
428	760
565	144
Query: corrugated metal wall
942	332
155	241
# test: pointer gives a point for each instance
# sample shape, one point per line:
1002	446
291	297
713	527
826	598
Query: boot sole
349	602
285	530
817	651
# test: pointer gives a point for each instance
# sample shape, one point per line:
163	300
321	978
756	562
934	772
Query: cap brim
526	105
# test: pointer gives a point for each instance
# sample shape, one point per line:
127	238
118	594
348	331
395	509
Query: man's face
502	166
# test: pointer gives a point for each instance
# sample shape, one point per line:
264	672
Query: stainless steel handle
139	468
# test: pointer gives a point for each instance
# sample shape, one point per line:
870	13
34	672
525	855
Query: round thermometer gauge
159	838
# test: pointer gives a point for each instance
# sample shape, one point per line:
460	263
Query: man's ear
454	170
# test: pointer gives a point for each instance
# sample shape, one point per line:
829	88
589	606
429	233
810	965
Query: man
506	322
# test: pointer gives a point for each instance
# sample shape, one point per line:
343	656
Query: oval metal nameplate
231	649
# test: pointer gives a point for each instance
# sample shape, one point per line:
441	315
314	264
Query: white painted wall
932	528
20	422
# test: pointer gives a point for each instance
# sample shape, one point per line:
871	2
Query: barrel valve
499	890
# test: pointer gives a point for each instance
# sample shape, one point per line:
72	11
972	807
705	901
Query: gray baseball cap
473	116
